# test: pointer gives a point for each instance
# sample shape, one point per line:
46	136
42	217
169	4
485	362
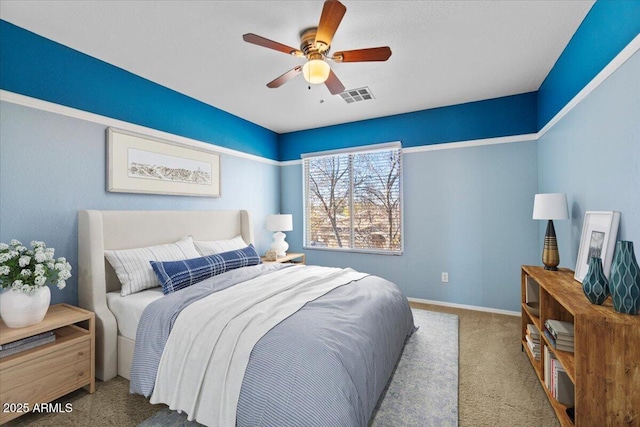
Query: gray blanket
325	365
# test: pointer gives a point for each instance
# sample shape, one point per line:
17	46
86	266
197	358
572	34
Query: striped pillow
218	246
132	265
176	275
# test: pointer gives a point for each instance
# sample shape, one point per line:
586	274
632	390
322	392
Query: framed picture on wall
140	164
598	239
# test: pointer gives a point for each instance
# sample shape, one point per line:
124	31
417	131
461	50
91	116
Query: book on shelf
567	348
568	341
561	344
534	348
563	388
25	340
557	380
533	345
563	340
47	338
559	328
533	331
548	357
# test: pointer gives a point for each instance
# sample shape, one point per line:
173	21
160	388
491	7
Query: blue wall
605	31
38	67
593	154
569	160
509	115
51	166
467	211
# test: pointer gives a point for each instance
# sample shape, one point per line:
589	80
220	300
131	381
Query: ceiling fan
315	44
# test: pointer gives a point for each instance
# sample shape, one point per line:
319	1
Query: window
353	199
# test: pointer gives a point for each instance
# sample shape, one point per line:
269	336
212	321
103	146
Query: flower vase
625	279
595	285
19	309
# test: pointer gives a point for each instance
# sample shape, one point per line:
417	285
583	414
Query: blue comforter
326	365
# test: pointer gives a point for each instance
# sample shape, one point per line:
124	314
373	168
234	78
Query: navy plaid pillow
176	275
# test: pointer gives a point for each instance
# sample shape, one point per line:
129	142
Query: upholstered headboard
102	230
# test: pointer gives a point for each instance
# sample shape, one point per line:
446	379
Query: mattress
128	310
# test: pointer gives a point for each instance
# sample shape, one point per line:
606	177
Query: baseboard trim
466	307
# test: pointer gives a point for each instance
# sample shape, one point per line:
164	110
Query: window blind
353	199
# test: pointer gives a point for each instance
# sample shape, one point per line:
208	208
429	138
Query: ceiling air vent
357	95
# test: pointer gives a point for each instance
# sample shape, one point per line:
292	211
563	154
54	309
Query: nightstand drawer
45	378
47	388
35	370
47	372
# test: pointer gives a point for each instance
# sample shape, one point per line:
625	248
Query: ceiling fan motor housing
309	46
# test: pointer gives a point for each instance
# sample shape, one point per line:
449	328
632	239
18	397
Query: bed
325	361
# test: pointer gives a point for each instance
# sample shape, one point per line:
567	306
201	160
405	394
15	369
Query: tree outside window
353	200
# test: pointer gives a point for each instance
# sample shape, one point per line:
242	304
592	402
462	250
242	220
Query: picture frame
598	238
138	163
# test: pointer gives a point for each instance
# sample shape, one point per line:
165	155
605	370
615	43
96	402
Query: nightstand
289	257
50	371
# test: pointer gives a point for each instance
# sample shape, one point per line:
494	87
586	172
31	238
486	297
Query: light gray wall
467	211
52	165
593	155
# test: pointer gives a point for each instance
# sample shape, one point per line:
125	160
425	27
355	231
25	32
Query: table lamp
550	206
280	223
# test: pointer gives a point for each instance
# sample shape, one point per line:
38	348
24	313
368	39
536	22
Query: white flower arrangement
26	270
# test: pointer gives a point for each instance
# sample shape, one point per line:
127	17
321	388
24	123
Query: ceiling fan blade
285	77
362	55
332	13
334	84
261	41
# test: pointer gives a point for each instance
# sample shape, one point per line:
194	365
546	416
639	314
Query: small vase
594	284
19	309
625	279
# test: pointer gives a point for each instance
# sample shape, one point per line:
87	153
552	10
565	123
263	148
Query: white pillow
213	247
134	270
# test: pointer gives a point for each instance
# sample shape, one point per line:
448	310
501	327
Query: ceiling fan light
316	71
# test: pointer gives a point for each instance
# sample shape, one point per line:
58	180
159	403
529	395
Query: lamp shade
550	206
280	222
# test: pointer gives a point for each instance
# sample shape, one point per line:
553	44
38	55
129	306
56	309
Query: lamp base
279	245
550	254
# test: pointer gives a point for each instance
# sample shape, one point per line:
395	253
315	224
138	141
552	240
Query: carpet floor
497	385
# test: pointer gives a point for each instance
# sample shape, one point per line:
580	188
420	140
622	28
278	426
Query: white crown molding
466	307
472	143
447	145
51	107
607	71
603	75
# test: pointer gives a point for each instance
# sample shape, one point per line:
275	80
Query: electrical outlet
445	277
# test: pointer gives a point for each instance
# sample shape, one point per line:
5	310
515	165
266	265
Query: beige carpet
497	385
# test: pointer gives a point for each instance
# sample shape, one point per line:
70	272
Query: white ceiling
444	52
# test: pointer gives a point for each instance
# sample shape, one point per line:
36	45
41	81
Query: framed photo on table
598	239
140	164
